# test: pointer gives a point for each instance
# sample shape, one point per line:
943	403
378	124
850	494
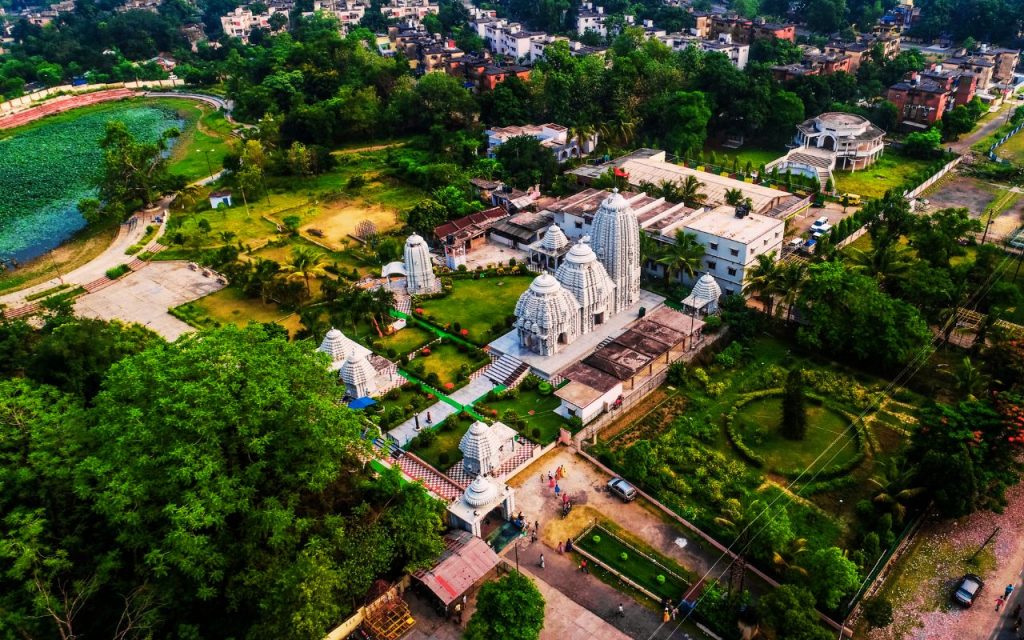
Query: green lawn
208	135
636	567
758	424
756	156
543	419
891	171
445	360
230	306
444	451
406	340
478	305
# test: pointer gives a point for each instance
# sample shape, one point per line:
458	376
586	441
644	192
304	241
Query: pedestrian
622	612
675	612
568	545
533	536
583	566
550	477
458	612
558	489
1008	591
999	602
560	547
551	482
666	616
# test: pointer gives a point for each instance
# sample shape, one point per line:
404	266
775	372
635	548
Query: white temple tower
419	272
547	316
358	375
616	242
479	448
587	280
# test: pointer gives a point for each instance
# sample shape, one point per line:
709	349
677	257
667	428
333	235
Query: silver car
623	489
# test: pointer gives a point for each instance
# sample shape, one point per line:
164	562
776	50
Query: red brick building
924	98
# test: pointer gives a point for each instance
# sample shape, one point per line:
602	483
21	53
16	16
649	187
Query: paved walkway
964	144
440	410
146	296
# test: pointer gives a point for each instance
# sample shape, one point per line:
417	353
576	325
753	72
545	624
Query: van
795	243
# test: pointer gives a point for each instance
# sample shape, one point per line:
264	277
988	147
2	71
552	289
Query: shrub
530	383
596	539
393	394
432	378
116	272
545	388
624	556
878	612
355	181
712	324
442	458
535	432
661	579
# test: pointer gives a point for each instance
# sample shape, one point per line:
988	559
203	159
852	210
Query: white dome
554	239
480	493
616	238
586	278
358	375
707	288
479	449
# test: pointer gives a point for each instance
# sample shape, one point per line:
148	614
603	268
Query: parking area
145	296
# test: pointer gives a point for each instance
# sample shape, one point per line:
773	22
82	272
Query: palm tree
188	196
791	282
227	236
260	278
886	263
788	557
690	191
650	249
621	131
305	263
970	381
733	197
765	280
669	189
684	256
895	487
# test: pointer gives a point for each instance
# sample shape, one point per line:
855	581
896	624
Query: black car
967	589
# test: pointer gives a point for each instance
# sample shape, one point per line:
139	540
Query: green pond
47	167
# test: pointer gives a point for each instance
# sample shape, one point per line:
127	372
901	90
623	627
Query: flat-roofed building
732	242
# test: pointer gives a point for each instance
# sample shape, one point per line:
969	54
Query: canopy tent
362	403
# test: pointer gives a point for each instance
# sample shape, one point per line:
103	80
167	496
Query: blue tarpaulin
362	403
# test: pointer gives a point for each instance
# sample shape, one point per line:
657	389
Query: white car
820	222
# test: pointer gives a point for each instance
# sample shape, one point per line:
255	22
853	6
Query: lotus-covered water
47	168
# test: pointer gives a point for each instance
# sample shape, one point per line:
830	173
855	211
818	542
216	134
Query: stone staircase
507	370
403	303
435	481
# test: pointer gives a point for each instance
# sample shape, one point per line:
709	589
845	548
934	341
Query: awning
362	403
467	560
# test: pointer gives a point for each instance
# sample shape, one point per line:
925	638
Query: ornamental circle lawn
758	424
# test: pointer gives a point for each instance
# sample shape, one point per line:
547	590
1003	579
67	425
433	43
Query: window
712	264
776	234
765	241
579	225
734	252
713	246
732	271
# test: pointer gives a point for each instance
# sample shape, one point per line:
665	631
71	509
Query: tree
133	172
791	283
690	191
957	122
305	263
681	118
425	216
525	162
940	236
510	607
923	144
683	256
825	16
789	612
895	488
300	160
970	381
794	407
75	356
733	197
765	280
877	612
886	263
832	576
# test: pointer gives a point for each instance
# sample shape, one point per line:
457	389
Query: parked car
825	228
967	589
623	489
820	222
795	243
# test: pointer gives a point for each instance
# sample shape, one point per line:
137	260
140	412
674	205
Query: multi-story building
773	30
923	98
591	18
240	22
813	64
738	28
412	10
552	136
737	53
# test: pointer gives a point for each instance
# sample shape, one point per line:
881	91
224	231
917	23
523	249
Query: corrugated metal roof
467	560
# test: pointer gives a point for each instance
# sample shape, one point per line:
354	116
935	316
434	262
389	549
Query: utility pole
61	277
209	167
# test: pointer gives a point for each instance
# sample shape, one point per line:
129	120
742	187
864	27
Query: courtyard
480	306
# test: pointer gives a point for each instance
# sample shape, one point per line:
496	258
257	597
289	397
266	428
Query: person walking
622	612
666	616
999	602
583	566
542	561
1008	591
560	547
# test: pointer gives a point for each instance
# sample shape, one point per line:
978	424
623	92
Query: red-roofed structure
465	561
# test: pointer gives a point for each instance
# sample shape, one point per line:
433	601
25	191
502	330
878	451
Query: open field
406	340
891	171
206	136
961	191
758	423
230	306
478	305
338	220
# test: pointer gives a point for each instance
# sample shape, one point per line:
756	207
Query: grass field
758	424
543	419
889	172
444	451
408	339
230	306
206	137
755	156
445	360
642	570
477	305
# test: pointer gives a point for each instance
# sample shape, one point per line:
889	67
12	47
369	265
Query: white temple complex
616	242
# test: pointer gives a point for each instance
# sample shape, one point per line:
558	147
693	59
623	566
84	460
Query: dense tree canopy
510	607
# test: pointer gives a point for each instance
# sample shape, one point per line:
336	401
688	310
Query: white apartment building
552	136
408	9
732	243
590	18
738	54
240	22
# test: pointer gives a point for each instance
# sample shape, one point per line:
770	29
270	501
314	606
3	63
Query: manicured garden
439	446
407	339
643	566
231	306
447	365
481	306
399	404
532	412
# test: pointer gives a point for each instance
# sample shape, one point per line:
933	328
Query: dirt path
926	613
964	144
373	147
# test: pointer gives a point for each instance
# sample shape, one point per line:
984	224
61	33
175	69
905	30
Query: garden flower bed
644	567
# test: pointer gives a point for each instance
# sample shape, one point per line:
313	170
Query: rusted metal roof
466	560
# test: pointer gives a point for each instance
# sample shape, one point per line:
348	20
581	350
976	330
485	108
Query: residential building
736	27
813	64
240	22
831	141
591	18
484	76
461	236
980	66
702	25
923	98
412	10
552	136
760	30
737	53
856	52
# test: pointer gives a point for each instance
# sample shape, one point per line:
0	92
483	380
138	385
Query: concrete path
145	296
440	410
473	391
965	143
